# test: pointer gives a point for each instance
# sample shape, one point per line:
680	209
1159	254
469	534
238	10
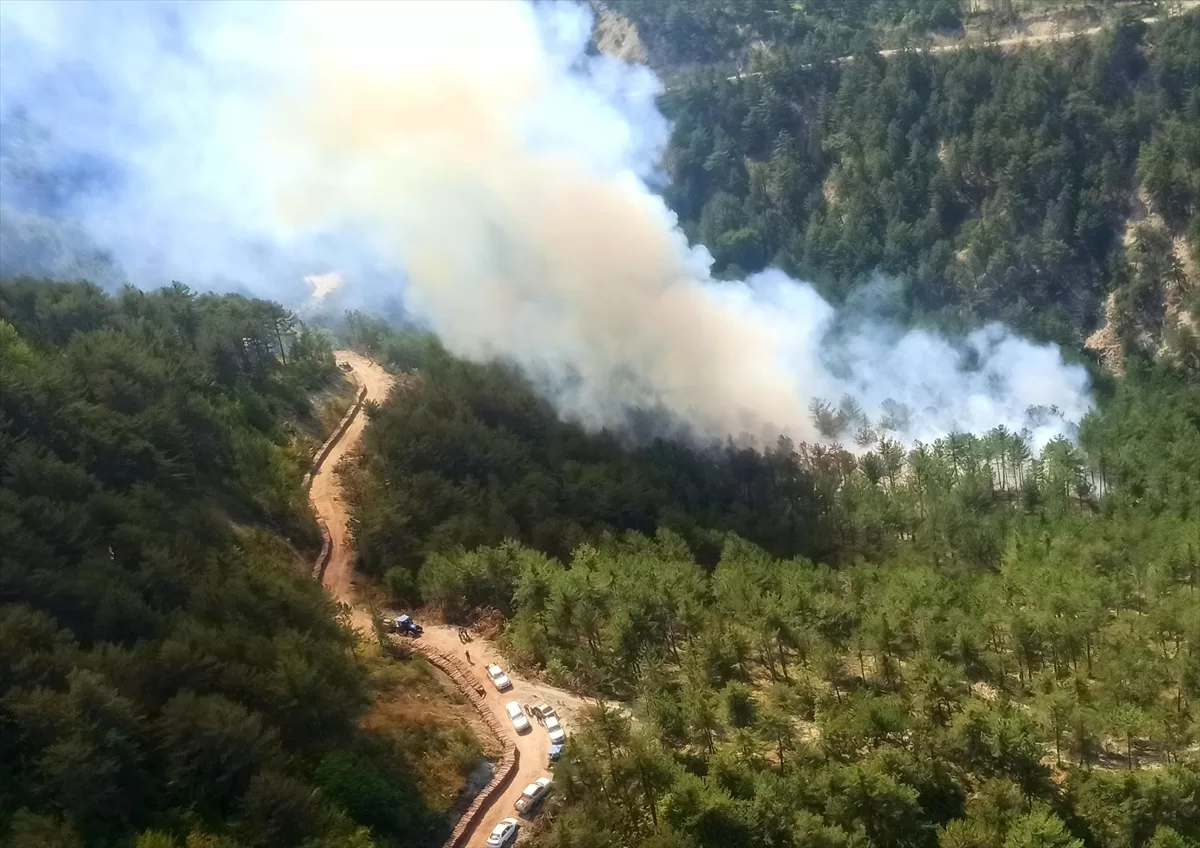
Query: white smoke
502	173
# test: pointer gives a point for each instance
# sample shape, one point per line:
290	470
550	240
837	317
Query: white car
503	833
533	795
517	716
557	734
498	677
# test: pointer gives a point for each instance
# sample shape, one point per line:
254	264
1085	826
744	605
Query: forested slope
967	643
1026	185
974	643
168	669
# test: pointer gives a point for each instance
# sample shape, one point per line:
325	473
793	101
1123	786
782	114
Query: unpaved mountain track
330	506
326	491
1014	41
534	744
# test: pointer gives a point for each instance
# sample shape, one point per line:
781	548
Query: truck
533	795
405	626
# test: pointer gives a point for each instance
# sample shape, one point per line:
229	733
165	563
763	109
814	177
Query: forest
1026	186
685	36
170	674
974	643
966	643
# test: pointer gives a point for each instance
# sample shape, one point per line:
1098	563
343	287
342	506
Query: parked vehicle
517	716
557	734
533	795
555	753
544	710
504	833
498	677
407	627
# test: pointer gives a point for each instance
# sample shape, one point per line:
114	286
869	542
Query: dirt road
1024	39
534	744
1020	40
326	495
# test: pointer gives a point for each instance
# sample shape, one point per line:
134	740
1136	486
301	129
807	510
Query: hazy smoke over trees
476	160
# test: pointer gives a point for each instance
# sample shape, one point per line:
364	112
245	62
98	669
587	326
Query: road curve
330	507
326	491
534	744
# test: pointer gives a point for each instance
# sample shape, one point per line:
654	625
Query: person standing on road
468	653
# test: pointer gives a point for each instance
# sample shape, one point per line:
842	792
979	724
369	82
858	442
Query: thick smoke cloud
473	157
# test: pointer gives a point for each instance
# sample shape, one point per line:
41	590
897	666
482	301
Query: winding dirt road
326	491
1020	40
534	744
327	500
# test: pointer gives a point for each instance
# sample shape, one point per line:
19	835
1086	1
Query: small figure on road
468	653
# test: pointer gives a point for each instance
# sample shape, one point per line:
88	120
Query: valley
799	400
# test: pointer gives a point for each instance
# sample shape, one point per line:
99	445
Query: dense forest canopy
976	642
966	643
168	669
723	34
1026	185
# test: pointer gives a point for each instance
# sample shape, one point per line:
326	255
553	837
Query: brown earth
330	506
534	744
326	491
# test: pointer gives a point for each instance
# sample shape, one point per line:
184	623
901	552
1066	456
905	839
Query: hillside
966	643
905	558
1052	187
971	642
169	672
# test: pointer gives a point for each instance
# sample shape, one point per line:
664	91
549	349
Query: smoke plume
474	158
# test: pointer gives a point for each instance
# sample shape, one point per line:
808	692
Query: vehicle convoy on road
504	833
517	716
494	827
533	795
498	677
